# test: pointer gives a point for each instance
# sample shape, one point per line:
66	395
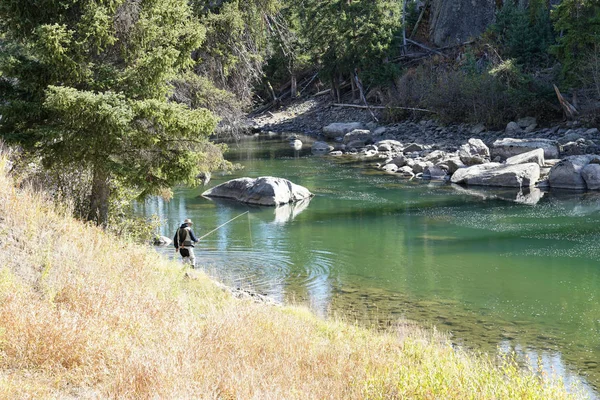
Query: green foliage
578	22
498	94
346	35
86	83
237	43
524	34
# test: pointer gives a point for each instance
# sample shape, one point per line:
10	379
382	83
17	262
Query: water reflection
530	196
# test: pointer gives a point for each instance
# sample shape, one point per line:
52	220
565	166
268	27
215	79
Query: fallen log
382	107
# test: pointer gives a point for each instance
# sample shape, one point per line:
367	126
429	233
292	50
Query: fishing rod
220	226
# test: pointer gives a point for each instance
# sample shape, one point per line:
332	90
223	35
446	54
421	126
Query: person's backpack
183	237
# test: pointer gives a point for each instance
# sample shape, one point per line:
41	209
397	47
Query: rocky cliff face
456	21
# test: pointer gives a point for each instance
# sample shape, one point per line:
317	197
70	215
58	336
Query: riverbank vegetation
85	314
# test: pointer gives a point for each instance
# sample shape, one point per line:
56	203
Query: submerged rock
264	191
321	148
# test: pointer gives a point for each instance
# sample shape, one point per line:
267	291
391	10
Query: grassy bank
83	315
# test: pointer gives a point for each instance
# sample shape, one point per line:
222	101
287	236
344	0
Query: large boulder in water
493	174
264	191
567	174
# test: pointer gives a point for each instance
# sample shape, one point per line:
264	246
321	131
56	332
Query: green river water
497	275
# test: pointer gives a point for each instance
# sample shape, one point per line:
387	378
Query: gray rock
567	174
341	128
492	174
474	152
336	153
530	129
591	176
414	147
570	136
591	132
394	144
321	148
536	156
453	164
454	22
362	135
266	191
420	166
437	172
526	122
508	147
435	156
384	148
400	160
477	129
512	128
579	148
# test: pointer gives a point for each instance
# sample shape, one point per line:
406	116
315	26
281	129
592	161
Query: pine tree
577	23
348	35
86	83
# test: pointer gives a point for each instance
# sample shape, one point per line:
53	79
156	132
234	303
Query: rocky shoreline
522	156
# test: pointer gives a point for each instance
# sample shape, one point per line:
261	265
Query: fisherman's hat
188	221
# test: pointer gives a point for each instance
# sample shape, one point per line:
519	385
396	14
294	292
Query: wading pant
191	259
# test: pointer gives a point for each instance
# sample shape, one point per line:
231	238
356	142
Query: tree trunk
294	88
99	197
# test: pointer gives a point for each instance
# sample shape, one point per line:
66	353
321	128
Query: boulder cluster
506	162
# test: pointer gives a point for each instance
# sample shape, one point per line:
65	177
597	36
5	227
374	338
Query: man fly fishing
184	242
184	239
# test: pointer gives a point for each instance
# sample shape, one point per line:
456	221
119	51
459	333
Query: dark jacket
176	239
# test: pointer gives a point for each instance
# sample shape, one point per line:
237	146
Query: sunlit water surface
498	275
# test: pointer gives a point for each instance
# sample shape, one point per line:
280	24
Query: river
497	275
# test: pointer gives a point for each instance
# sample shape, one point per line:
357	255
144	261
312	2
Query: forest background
106	101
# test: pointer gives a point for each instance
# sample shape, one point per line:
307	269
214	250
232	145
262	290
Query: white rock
266	191
493	174
536	156
390	168
474	152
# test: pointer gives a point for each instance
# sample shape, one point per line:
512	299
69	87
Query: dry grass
83	315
